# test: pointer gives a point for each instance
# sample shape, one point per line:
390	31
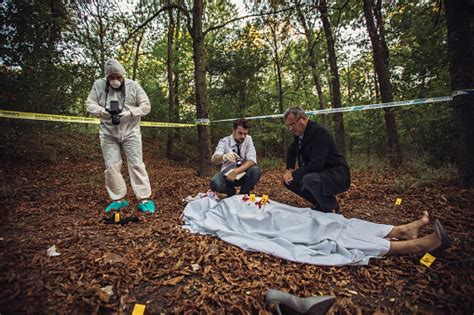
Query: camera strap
122	91
236	144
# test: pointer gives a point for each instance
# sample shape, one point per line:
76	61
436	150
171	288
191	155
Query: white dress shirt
228	144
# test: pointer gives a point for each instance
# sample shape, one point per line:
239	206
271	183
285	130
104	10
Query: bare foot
428	243
410	230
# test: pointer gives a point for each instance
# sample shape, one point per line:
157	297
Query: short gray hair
297	111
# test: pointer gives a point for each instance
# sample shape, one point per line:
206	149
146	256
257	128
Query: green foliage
428	132
365	136
47	142
419	174
33	76
271	164
235	65
54	53
419	56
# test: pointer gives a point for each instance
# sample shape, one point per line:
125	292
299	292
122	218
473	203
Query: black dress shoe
336	210
290	304
443	236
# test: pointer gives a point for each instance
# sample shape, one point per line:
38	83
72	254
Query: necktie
238	150
300	144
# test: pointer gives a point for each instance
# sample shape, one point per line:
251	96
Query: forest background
208	60
203	61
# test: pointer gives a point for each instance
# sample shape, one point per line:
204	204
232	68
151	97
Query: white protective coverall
126	135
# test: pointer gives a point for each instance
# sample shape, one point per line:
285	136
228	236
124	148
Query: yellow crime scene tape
79	119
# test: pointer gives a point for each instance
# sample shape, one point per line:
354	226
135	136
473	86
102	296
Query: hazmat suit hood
112	66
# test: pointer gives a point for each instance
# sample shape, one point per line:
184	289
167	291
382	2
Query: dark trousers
246	183
310	188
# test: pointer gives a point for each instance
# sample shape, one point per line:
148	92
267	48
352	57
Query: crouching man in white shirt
238	157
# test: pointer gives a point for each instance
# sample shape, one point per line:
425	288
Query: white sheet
296	234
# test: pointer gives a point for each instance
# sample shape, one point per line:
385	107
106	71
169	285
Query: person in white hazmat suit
133	103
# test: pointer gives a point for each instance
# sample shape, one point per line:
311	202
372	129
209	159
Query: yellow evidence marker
252	198
139	309
398	201
117	217
427	259
264	199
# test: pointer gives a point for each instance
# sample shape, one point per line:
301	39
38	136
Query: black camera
239	160
114	111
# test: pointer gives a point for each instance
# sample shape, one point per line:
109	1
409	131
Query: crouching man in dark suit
323	172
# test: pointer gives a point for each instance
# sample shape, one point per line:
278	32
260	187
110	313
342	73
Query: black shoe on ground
335	210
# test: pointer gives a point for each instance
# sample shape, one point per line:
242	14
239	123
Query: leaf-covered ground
157	263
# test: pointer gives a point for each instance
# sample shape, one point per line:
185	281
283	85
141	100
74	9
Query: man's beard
238	140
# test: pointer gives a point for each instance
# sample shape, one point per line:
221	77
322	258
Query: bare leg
410	230
420	245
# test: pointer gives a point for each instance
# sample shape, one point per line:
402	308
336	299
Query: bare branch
212	28
167	7
287	50
340	12
440	8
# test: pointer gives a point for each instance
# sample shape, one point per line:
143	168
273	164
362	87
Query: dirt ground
151	262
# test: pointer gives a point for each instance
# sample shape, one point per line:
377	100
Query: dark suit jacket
319	154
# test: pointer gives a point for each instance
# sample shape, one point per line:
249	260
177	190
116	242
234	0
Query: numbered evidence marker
264	199
252	198
427	259
139	309
398	201
117	217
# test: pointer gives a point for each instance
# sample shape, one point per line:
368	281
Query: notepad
239	176
230	168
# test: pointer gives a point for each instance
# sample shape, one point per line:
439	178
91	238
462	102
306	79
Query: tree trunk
381	31
171	91
376	86
199	56
101	41
381	60
336	86
279	87
349	83
176	76
313	62
242	99
459	18
137	54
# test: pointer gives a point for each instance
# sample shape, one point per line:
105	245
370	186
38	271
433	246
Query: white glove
104	114
125	114
230	156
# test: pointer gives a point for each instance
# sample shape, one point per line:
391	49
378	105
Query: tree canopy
290	53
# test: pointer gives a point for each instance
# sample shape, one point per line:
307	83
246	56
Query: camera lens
115	119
